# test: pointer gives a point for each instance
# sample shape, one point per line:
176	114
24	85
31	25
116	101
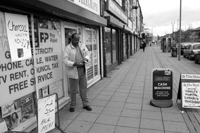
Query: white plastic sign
46	114
191	95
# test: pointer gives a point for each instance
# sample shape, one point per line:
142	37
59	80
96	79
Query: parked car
191	50
197	57
184	46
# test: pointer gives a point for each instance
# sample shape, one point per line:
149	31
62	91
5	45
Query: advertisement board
162	85
17	78
189	91
191	95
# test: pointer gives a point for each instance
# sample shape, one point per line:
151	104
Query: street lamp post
173	29
179	48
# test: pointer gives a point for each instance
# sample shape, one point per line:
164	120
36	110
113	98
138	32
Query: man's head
75	39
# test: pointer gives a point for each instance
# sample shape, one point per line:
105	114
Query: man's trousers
81	82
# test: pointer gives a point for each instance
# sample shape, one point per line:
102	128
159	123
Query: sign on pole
189	91
46	114
162	87
18	36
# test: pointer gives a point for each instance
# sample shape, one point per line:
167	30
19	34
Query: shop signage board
91	5
119	2
116	9
189	90
18	36
46	114
162	87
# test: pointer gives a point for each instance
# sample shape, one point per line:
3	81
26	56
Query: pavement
121	102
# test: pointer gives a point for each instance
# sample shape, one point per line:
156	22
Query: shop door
68	33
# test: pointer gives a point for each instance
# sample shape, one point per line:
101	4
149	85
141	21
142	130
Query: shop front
112	42
45	36
114	37
127	43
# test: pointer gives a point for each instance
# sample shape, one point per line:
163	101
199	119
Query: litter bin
174	51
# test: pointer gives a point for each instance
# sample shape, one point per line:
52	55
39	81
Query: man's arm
87	53
66	58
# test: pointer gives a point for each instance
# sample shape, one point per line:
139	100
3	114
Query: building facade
108	28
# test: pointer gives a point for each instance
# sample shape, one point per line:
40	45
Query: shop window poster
27	107
57	88
17	28
17	112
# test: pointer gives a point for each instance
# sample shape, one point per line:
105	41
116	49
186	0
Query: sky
160	15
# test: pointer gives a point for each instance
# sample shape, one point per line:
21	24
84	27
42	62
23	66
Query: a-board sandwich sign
46	113
162	87
189	90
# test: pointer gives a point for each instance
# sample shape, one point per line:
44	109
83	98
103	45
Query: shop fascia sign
130	24
116	10
119	2
91	5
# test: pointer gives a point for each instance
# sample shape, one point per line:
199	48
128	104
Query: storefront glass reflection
114	41
108	45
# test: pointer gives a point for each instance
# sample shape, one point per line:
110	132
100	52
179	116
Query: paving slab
121	103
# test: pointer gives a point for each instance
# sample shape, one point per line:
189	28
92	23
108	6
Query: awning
65	9
127	29
115	22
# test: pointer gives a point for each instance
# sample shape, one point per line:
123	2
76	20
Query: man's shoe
71	109
88	108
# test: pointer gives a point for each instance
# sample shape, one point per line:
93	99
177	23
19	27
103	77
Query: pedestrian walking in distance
143	45
76	55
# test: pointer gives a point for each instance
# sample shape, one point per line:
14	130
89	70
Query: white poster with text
18	36
191	95
46	114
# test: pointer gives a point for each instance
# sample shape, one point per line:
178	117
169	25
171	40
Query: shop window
114	43
124	45
50	53
108	45
18	111
18	91
91	41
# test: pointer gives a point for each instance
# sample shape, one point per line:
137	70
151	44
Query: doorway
68	33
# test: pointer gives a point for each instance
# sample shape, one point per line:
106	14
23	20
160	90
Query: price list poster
191	95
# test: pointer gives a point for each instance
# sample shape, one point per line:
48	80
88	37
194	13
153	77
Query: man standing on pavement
75	57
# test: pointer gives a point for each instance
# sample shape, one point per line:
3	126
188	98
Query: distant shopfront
127	43
114	34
